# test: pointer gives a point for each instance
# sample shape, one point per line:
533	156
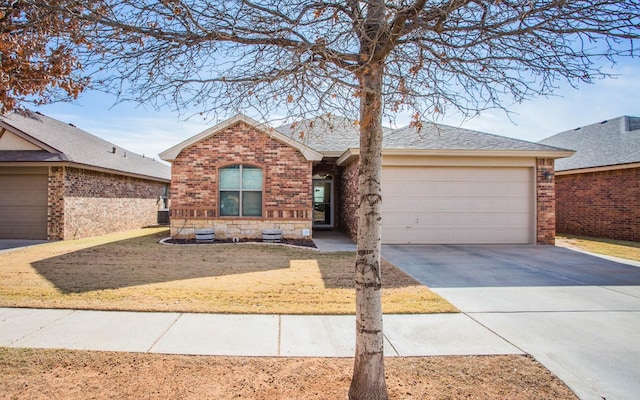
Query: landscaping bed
290	242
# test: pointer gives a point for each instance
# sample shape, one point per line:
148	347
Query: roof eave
82	166
597	169
351	154
27	137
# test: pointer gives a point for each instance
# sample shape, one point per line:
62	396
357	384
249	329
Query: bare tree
425	57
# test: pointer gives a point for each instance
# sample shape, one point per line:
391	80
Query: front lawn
607	247
132	271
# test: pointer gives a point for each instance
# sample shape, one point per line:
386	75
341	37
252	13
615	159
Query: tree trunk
368	375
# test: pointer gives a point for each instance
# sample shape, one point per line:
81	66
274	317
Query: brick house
598	188
440	185
58	182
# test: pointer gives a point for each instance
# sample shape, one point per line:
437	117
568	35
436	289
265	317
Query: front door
323	203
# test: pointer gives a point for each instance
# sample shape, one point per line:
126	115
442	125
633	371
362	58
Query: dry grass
132	271
57	374
608	247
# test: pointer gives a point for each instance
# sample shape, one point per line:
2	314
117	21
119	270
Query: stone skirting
239	228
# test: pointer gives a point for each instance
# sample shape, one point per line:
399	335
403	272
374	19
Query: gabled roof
48	140
609	143
334	135
309	153
330	135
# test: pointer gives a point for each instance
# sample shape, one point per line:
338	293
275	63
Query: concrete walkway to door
577	314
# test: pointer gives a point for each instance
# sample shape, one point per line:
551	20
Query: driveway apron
577	314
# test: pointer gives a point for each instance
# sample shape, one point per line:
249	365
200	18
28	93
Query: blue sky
146	131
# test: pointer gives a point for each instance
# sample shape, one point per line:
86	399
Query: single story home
598	188
59	182
440	185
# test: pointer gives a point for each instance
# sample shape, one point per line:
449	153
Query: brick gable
286	186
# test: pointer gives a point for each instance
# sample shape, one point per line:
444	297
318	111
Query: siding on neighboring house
602	204
287	198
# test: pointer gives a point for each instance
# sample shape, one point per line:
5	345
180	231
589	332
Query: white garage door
445	205
23	206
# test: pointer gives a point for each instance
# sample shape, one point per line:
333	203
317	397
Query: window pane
229	204
252	204
230	177
251	178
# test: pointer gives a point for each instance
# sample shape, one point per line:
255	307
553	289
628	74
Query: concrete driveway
10	244
577	314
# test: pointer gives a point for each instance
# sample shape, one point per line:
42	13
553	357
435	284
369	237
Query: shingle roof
444	137
76	146
608	143
324	134
336	134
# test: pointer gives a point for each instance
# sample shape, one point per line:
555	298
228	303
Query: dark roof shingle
337	134
611	142
77	146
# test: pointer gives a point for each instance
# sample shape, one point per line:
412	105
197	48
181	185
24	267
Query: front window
241	191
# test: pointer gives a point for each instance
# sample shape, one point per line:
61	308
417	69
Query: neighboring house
598	188
58	182
440	185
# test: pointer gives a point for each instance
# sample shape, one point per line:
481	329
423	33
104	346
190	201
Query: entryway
323	203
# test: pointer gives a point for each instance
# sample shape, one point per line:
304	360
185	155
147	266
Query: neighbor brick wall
84	203
286	188
602	204
546	202
348	205
55	212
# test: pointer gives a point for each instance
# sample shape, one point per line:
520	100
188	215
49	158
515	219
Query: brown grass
132	271
608	247
57	374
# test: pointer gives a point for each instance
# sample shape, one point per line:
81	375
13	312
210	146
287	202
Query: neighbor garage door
451	205
23	206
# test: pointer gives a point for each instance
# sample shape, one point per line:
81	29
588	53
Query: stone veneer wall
546	202
348	212
604	204
286	196
84	203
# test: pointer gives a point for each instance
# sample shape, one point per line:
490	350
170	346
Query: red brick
603	204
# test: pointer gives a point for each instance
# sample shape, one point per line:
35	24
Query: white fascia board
350	154
597	169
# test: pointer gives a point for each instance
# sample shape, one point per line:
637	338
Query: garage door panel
453	220
23	206
457	205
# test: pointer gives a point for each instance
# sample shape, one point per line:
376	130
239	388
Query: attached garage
23	205
458	205
58	182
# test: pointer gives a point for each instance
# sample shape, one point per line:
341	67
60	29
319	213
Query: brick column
55	211
546	202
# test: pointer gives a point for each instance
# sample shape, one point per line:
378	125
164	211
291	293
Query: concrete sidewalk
242	335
